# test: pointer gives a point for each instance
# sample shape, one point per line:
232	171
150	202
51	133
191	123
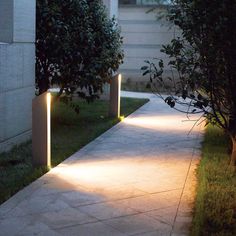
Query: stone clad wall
17	70
112	7
143	36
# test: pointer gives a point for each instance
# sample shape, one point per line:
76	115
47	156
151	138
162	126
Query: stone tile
107	210
37	205
123	192
171	197
66	217
19	197
57	205
55	186
138	224
51	188
166	215
37	228
47	233
178	234
79	198
30	206
155	233
155	187
98	229
152	201
13	226
141	204
129	181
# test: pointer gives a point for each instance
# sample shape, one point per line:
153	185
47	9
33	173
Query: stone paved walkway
135	179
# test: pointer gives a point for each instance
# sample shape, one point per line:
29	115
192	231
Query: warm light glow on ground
137	174
136	179
162	123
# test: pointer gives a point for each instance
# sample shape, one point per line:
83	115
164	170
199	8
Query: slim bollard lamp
41	130
114	106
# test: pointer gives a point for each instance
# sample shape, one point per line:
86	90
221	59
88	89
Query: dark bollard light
41	130
114	106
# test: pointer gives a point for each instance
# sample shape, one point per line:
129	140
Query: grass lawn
70	132
215	207
135	86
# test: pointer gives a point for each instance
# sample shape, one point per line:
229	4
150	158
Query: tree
204	62
77	47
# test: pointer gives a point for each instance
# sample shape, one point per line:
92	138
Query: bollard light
114	106
41	130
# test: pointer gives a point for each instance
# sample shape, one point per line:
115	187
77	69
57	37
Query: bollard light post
41	130
115	87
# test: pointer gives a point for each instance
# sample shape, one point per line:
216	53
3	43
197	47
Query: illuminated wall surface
112	6
143	2
17	73
143	38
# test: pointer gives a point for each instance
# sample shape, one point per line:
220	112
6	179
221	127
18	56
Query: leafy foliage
202	61
77	46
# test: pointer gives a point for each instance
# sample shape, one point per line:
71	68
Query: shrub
77	46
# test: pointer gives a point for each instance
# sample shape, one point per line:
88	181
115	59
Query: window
6	21
143	2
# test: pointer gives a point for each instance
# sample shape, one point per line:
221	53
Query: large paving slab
135	179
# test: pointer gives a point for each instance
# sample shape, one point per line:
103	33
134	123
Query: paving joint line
190	164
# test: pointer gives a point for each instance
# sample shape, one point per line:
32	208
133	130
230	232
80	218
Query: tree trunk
233	154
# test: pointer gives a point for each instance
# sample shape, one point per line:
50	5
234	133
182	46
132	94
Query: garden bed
215	207
70	132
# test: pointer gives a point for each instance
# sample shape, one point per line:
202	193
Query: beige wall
17	70
112	7
143	36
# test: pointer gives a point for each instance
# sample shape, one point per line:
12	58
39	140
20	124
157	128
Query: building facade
17	70
143	36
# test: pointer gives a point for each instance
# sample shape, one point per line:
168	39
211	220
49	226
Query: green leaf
146	72
144	67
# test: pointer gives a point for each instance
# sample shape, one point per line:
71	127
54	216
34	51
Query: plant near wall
203	62
78	47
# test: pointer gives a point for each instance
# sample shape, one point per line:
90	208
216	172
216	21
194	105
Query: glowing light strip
48	129
119	88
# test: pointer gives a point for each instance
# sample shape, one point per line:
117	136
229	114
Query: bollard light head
120	78
121	118
48	98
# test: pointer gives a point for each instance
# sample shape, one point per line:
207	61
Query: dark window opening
143	2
